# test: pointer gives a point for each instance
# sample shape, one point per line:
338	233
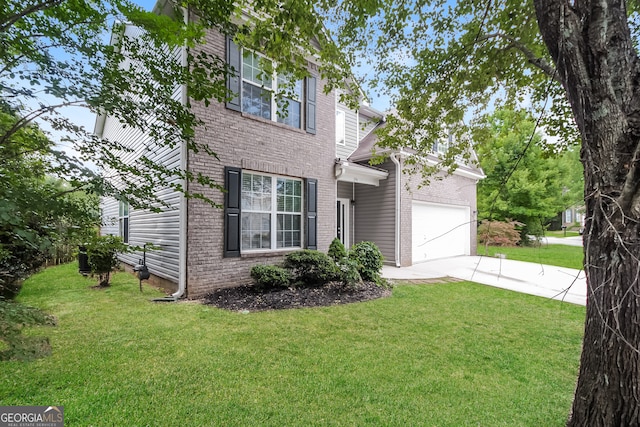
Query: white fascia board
461	170
353	172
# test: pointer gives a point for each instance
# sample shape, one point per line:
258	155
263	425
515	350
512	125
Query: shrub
337	250
310	267
102	252
499	233
369	259
270	276
348	272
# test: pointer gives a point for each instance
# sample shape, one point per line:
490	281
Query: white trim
461	170
353	172
398	189
346	220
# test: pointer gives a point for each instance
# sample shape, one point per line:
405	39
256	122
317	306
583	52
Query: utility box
83	261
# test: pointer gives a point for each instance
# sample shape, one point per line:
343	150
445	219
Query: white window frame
341	131
273	212
124	221
272	89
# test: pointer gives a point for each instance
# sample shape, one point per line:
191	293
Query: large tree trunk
590	43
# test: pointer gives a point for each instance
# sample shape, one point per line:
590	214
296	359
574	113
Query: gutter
182	239
184	164
395	158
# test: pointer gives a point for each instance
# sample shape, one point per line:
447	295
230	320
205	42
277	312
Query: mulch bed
251	298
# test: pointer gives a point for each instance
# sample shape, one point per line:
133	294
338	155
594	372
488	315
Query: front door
342	215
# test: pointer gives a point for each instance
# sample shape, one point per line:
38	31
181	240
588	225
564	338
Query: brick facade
253	144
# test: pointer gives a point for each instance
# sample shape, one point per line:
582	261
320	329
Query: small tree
102	252
337	250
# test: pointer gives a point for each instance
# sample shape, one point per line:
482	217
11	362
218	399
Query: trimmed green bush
337	250
270	276
369	259
310	267
348	272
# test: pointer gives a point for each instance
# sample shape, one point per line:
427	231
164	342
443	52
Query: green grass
457	354
558	255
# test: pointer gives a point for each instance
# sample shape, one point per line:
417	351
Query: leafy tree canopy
38	214
56	54
522	183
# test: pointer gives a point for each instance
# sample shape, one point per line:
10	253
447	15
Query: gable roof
368	145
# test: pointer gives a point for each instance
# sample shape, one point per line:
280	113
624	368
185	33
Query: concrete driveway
570	241
565	284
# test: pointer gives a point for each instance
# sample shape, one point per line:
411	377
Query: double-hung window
271	212
264	92
123	221
257	90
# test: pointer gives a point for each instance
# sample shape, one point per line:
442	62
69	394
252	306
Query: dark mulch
251	298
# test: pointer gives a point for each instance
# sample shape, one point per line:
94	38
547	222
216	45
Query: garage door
439	231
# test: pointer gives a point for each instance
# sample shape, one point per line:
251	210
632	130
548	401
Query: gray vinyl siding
345	190
375	214
351	133
160	229
366	126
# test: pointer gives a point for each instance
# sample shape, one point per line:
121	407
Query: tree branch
10	20
533	59
24	121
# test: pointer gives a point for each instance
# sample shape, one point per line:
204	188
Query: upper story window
340	127
263	93
441	147
123	221
259	89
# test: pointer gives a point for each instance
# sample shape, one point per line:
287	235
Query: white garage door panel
439	231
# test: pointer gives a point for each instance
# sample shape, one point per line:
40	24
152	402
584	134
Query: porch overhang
353	172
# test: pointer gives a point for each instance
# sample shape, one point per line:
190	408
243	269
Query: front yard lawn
440	355
558	255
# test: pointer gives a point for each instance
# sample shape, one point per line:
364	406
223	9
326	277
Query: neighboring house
291	183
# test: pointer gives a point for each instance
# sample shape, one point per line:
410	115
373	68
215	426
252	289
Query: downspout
182	241
395	159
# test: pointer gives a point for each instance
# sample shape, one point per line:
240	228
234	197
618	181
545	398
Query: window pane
256	233
256	192
256	101
288	232
289	89
289	112
253	69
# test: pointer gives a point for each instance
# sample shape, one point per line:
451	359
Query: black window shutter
311	105
234	82
312	214
232	185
